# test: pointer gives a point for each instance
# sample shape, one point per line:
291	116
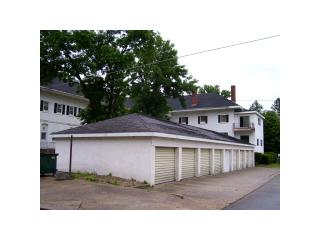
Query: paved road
267	197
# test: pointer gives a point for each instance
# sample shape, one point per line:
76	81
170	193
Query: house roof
207	100
135	123
59	85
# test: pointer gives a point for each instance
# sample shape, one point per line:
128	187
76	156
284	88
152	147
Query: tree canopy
214	89
255	106
112	65
276	105
271	132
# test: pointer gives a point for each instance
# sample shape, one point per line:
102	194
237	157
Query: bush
266	158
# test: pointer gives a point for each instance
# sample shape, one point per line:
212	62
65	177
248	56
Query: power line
196	53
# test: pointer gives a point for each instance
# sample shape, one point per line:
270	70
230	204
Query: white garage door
217	161
234	160
241	159
164	165
188	162
248	159
227	161
204	161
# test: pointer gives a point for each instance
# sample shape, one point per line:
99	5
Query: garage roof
135	123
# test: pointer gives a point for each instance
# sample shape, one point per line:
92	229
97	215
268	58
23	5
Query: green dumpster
48	163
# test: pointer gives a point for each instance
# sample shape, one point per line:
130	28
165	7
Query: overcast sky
254	68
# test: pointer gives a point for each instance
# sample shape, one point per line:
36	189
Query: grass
271	165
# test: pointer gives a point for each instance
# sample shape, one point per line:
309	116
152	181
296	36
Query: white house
148	149
214	112
59	106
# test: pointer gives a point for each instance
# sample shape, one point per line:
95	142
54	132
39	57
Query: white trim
146	134
204	109
63	93
249	112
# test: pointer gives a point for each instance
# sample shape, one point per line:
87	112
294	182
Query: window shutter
227	118
67	110
207	119
179	119
41	105
63	109
218	118
55	107
187	121
75	111
199	119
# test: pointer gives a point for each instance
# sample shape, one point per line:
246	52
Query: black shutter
218	118
179	119
75	111
227	118
41	105
187	120
55	107
199	119
206	119
67	110
63	108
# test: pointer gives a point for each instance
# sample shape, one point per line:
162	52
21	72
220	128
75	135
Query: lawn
271	165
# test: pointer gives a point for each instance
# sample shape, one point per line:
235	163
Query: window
43	136
259	121
245	138
44	106
223	118
59	108
183	120
260	142
202	119
257	142
70	110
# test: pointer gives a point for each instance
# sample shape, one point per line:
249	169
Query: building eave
250	112
147	134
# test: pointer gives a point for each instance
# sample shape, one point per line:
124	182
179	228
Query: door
241	159
234	160
164	165
204	161
188	162
217	161
227	161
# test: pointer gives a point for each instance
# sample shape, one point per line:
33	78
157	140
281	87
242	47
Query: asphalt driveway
207	192
266	197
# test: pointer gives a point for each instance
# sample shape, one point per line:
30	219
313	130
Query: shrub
266	158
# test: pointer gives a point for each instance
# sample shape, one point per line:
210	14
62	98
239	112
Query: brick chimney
194	99
233	93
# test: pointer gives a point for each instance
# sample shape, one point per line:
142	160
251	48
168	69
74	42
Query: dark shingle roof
140	123
207	100
58	85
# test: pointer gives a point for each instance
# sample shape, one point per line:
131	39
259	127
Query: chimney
194	99
233	93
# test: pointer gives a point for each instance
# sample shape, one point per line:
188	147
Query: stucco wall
123	157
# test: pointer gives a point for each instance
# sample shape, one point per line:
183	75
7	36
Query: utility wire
196	53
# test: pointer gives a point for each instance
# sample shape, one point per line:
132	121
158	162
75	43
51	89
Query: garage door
241	159
204	161
227	161
164	165
217	161
188	162
234	160
248	158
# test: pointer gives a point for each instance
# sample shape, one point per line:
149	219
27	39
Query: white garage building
148	149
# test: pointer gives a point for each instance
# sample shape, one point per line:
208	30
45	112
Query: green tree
214	89
255	106
151	84
86	58
271	132
276	106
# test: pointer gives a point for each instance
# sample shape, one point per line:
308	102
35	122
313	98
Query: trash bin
48	163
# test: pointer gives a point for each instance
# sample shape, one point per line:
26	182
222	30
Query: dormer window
183	120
